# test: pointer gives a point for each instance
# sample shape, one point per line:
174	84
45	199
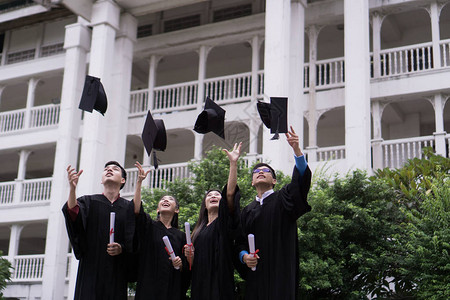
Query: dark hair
174	222
202	216
124	173
265	165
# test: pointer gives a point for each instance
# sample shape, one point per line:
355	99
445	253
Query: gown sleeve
76	229
293	196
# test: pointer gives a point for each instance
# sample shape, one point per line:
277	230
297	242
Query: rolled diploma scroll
169	248
112	220
251	246
187	228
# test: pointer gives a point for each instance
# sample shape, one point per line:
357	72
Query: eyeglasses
265	170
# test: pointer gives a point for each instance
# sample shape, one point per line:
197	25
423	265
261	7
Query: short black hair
124	173
259	165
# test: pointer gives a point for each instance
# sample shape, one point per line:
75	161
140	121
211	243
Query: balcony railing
45	115
28	268
445	53
175	97
25	191
403	60
330	73
12	120
157	178
330	153
230	88
29	54
40	116
397	152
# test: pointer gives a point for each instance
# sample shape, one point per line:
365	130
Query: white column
376	43
153	66
76	44
105	22
119	99
313	34
439	135
297	100
377	153
255	121
277	75
357	84
6	47
198	145
14	239
203	57
434	11
21	172
39	40
32	83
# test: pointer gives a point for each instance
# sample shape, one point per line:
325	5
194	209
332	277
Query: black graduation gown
156	277
100	276
212	270
274	225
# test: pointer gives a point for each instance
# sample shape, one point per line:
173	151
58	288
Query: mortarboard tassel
277	134
155	160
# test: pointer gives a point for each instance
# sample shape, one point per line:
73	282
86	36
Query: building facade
367	82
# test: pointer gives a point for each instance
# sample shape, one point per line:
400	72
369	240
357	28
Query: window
232	12
144	30
181	23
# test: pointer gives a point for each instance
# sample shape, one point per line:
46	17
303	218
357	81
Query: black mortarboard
154	137
274	115
93	96
212	118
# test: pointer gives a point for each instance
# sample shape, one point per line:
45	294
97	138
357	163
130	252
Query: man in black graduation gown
272	218
102	267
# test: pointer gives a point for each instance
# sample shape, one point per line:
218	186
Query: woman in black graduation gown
213	239
157	277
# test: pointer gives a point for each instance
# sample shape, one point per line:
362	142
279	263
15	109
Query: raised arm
233	156
137	193
73	177
292	139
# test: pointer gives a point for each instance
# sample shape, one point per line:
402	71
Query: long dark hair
174	222
202	216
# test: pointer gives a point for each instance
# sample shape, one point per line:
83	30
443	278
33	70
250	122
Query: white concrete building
367	82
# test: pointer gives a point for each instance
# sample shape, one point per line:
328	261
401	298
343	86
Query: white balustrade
306	76
405	60
260	91
28	268
445	53
7	192
138	102
12	120
397	152
330	73
330	153
44	115
175	97
230	89
36	190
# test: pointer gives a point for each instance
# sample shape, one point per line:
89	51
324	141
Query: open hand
292	139
233	156
73	176
141	173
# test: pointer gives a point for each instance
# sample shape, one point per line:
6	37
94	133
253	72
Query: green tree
346	249
5	273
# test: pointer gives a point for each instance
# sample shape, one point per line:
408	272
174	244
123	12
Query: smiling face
112	174
167	204
212	200
263	177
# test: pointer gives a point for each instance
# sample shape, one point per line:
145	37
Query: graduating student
157	276
272	218
102	266
213	239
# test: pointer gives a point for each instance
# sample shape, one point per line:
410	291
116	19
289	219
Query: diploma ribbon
189	259
111	231
168	252
254	253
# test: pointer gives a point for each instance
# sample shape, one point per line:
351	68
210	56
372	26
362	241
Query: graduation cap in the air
212	118
93	96
274	115
154	137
